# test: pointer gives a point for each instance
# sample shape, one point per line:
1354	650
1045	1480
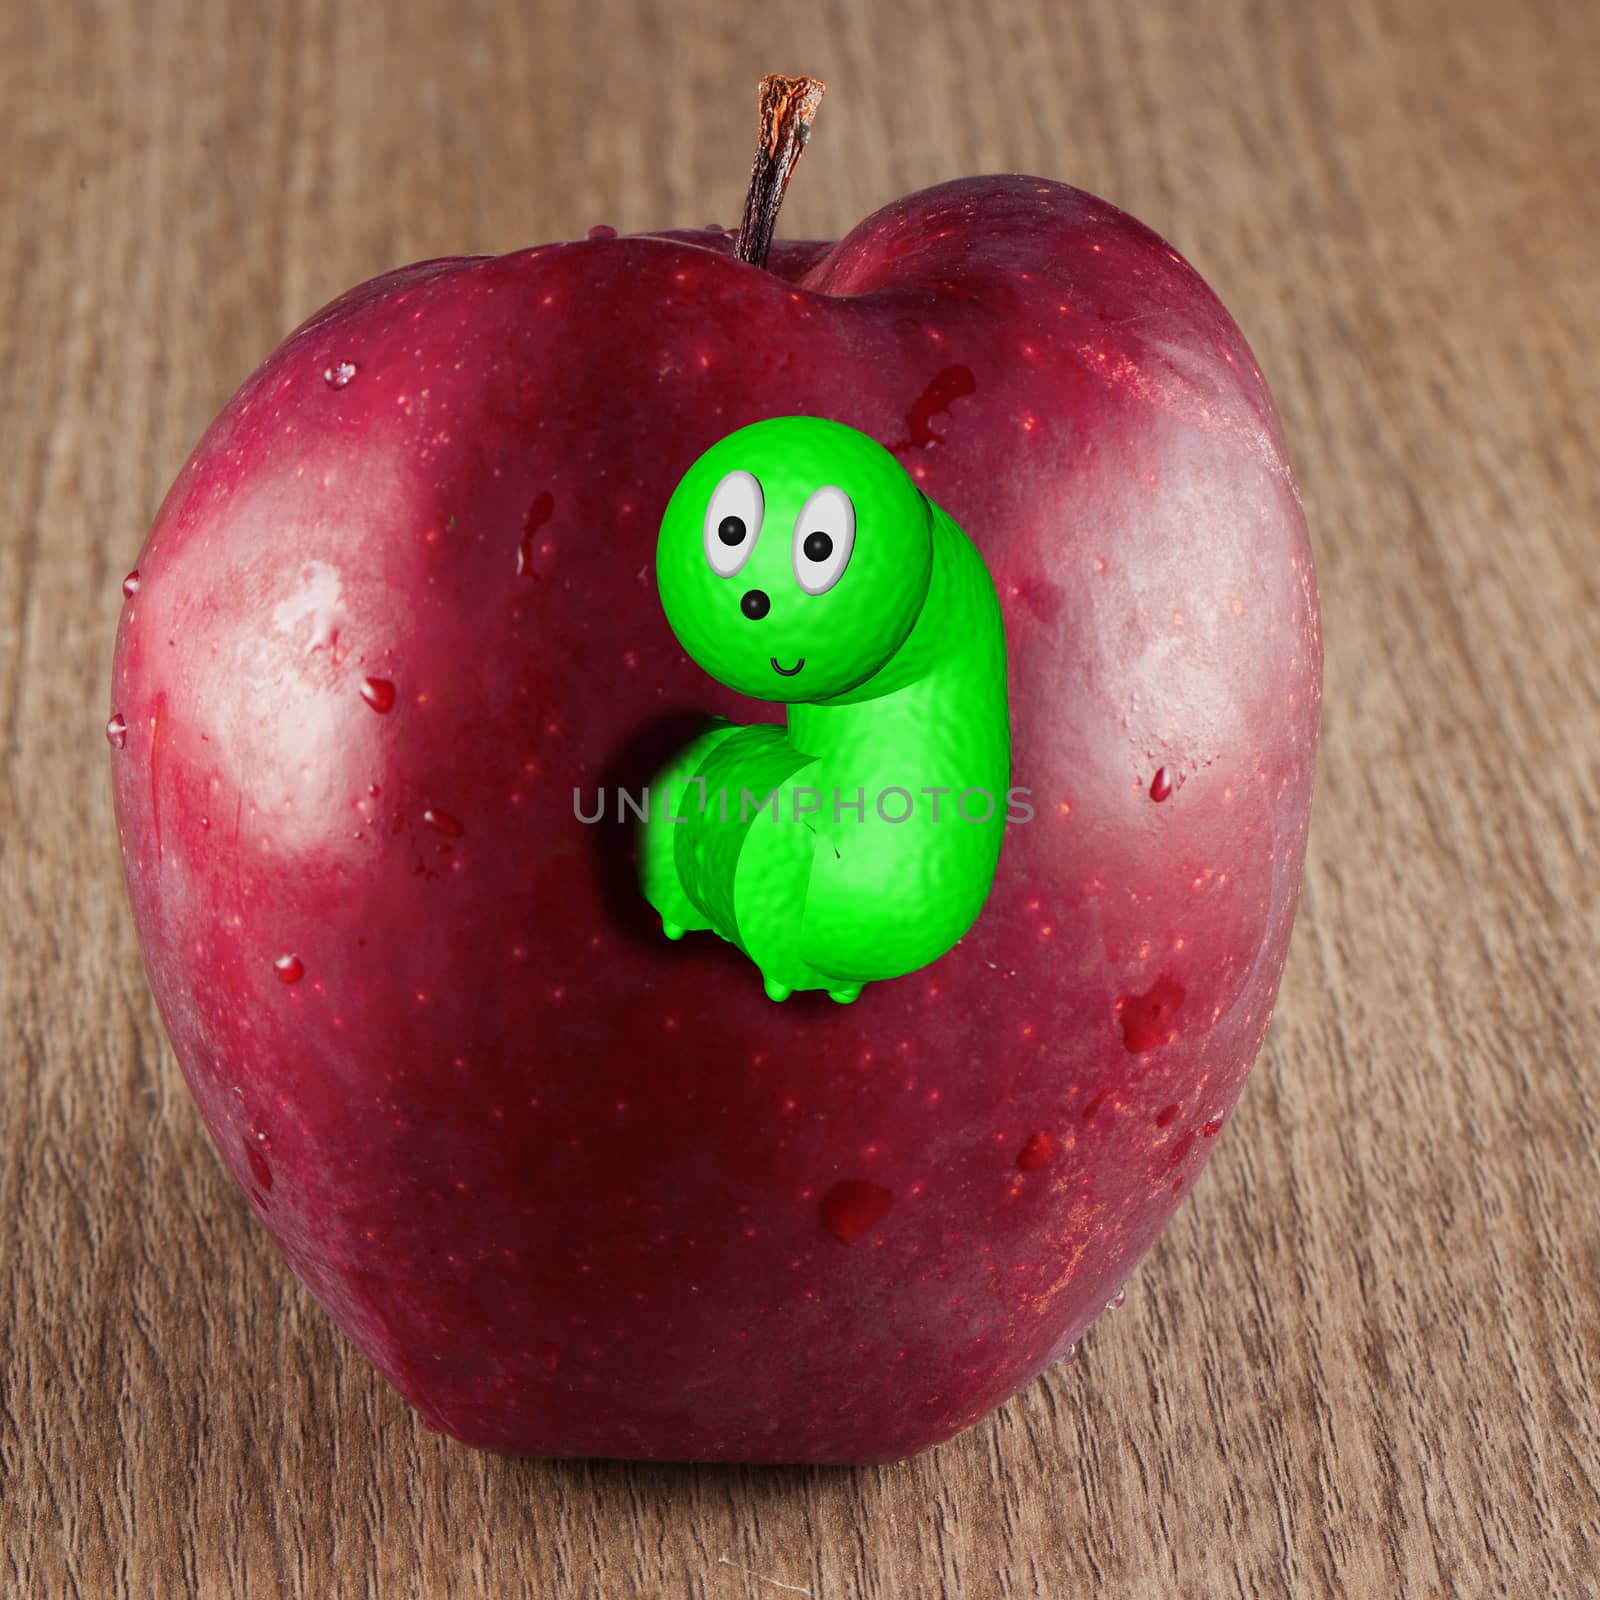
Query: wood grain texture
1362	1361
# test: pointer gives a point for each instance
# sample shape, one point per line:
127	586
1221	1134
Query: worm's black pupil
818	547
731	530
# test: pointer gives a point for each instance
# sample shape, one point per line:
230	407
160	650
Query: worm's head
793	559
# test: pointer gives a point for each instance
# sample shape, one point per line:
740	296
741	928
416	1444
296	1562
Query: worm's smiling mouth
787	672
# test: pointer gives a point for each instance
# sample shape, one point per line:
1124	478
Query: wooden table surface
1361	1359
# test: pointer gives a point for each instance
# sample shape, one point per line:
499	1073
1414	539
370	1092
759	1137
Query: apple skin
577	1190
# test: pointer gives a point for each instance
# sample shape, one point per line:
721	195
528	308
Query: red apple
577	1190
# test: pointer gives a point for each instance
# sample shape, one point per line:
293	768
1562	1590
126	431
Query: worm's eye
824	536
733	522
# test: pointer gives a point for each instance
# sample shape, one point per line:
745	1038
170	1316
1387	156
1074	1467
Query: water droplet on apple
1160	785
1115	1302
1167	1114
539	513
1042	597
379	694
336	377
259	1170
852	1206
1070	1354
290	968
130	584
117	731
443	821
1181	1149
602	230
549	1357
1147	1018
1038	1151
944	389
1095	1104
715	227
1211	1127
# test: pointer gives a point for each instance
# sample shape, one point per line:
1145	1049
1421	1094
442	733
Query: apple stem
788	106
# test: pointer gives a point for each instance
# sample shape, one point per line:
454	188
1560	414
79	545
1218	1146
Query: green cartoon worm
798	561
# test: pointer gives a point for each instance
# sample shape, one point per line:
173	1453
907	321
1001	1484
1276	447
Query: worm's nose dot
755	604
